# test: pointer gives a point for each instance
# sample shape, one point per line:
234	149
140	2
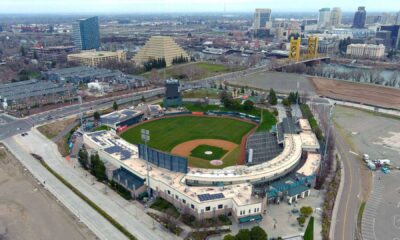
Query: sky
155	6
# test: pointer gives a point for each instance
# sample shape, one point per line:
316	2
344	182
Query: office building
397	20
159	47
309	25
324	17
394	35
96	57
336	17
262	19
369	51
86	33
56	53
359	18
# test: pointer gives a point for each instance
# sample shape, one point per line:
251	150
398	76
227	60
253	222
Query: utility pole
145	134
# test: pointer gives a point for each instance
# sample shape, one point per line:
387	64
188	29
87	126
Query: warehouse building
122	119
84	74
33	92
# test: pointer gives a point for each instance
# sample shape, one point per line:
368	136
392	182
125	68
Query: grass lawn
207	70
199	152
166	133
201	93
162	205
101	127
230	159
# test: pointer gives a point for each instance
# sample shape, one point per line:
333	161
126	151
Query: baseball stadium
210	163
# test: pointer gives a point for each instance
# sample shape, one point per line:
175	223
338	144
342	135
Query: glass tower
86	33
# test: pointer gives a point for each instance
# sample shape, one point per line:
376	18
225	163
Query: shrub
301	220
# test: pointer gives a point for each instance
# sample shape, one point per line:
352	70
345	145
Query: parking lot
378	136
280	82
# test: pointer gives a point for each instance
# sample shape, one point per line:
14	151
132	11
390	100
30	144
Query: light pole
328	131
145	134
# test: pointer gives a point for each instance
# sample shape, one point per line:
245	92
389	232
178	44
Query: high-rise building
397	20
324	17
86	33
262	18
359	18
336	17
394	35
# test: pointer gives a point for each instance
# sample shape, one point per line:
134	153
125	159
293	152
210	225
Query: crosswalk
371	207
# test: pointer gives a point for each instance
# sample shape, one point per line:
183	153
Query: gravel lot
280	82
27	211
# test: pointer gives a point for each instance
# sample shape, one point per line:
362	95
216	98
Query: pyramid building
160	47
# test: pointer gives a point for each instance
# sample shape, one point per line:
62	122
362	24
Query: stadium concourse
241	191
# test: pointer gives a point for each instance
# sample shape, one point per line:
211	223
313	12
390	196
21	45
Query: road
349	201
13	126
123	212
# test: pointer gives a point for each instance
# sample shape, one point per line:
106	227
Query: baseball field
188	136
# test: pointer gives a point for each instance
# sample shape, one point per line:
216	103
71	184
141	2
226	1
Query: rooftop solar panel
208	197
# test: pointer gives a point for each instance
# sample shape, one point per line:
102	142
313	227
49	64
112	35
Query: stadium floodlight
145	135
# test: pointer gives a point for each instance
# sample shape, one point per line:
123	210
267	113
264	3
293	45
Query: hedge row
90	202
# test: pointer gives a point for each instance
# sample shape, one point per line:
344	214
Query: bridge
282	63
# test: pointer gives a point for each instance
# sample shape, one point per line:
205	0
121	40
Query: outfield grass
167	133
268	119
199	152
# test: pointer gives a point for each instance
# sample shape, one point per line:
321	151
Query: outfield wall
164	160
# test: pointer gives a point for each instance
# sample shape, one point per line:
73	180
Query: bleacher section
265	147
287	126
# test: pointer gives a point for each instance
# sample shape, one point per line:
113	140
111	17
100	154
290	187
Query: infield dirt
185	148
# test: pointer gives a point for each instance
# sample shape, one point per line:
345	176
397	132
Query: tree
272	97
286	102
306	211
96	116
257	233
143	99
83	158
97	167
248	105
293	97
115	106
220	87
243	234
309	233
236	104
229	237
242	90
226	99
22	51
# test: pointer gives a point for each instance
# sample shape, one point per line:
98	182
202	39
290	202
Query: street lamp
145	134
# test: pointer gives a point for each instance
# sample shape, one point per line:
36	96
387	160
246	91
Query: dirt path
185	148
27	211
356	92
